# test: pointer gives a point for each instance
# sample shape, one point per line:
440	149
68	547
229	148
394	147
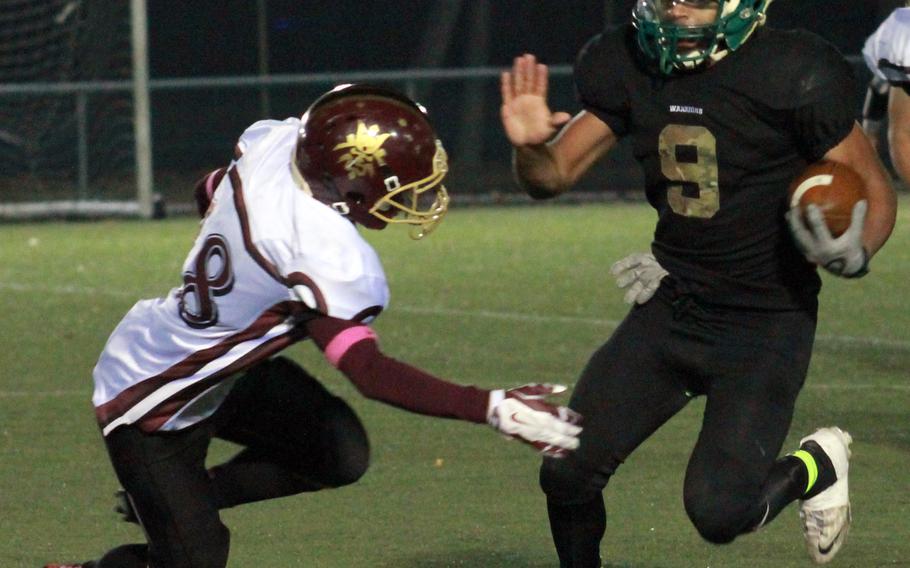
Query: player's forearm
899	145
382	378
352	347
899	131
877	231
880	218
549	169
856	152
536	171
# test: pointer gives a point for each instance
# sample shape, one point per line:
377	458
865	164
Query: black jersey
719	148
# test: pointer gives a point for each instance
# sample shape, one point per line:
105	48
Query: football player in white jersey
279	259
887	54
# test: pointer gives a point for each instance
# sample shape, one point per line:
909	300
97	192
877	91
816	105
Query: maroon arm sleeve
204	189
385	379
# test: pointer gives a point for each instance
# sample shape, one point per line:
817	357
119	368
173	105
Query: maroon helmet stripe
116	407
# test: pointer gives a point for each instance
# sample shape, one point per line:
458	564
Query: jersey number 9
688	159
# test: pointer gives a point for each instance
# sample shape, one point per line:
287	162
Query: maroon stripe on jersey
116	407
372	311
251	249
294	279
166	410
301	279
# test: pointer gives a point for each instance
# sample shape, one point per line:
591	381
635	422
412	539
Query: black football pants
296	437
749	364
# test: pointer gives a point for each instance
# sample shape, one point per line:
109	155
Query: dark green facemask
659	37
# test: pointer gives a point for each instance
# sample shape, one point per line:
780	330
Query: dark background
195	124
208	38
195	130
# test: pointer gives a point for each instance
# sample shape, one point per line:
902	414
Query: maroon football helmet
371	154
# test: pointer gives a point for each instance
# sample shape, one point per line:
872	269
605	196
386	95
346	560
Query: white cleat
826	517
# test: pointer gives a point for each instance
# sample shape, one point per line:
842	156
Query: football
833	187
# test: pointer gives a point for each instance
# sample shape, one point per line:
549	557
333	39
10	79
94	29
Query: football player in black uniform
722	114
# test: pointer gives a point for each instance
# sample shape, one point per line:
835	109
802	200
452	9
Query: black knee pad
284	368
268	383
565	482
719	518
333	448
347	446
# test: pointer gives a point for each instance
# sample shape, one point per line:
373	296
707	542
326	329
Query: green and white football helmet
679	47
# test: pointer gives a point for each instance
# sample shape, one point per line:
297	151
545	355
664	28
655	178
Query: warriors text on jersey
719	148
254	273
887	51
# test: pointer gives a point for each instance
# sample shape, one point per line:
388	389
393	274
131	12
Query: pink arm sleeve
353	348
340	344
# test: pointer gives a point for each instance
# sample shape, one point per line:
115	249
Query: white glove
522	413
844	255
640	274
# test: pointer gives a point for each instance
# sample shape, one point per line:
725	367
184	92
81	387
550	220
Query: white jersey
887	51
267	253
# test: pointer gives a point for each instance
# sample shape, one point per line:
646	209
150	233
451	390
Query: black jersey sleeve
825	110
599	80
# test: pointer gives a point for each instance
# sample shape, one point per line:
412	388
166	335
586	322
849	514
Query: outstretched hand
523	414
526	117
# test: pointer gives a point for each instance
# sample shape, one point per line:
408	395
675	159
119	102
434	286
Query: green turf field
497	296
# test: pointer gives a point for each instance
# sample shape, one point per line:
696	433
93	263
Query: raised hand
526	117
523	414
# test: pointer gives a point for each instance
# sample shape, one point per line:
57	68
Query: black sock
577	531
788	481
826	474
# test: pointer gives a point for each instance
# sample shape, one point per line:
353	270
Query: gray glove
640	275
843	256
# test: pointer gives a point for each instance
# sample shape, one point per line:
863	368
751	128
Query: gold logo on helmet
364	150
